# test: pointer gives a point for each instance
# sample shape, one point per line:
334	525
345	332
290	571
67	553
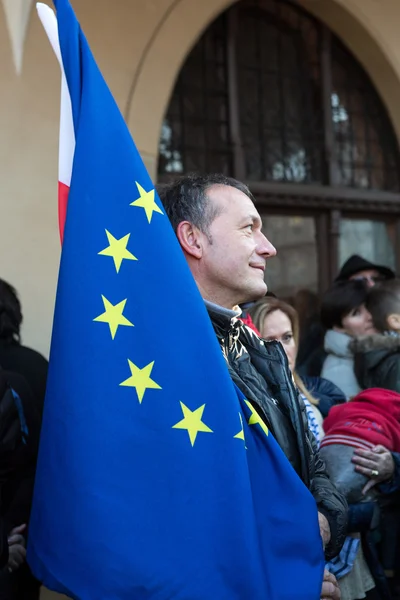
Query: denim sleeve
393	485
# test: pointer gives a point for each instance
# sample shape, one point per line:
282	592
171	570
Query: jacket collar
224	318
337	343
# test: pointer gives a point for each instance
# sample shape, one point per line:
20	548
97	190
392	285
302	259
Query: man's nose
265	248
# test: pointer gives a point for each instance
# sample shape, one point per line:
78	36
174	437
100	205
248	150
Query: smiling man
227	252
220	232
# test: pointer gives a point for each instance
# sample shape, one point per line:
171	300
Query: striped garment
312	421
343	563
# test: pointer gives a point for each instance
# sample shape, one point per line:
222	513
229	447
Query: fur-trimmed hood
375	342
377	361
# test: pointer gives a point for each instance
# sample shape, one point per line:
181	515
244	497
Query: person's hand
16	548
330	588
376	464
324	529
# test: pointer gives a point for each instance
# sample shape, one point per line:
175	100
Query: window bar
331	166
234	116
260	95
208	150
282	103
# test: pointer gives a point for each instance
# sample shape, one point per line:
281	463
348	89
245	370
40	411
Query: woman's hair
10	313
384	300
267	306
340	300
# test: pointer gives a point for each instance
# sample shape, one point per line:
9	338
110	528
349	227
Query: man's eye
250	227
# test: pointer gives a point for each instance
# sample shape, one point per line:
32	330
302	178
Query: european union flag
156	478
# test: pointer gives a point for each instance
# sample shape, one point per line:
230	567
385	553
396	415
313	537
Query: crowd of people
349	381
327	386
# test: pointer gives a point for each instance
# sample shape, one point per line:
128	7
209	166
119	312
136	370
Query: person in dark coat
377	361
19	439
16	488
377	364
377	357
13	355
311	351
26	372
357	267
219	230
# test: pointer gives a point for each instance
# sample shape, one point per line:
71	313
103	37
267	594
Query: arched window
269	95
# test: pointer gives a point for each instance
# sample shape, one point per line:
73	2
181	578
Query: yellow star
240	435
140	379
113	316
255	418
146	201
192	422
117	249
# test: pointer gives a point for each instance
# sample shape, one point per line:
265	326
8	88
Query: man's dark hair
10	313
185	199
340	300
383	301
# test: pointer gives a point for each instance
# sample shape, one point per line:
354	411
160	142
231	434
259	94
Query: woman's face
358	322
277	326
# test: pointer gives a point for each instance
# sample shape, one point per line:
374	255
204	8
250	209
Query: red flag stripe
67	135
63	191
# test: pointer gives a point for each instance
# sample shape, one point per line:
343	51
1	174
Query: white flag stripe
67	135
49	22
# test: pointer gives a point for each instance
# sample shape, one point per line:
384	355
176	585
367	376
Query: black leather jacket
260	369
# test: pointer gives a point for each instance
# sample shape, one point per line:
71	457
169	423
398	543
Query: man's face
235	253
370	276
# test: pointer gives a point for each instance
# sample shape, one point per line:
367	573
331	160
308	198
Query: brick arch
355	22
171	42
177	31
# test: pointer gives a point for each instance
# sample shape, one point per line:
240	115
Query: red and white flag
67	135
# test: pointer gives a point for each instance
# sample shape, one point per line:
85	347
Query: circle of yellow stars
140	377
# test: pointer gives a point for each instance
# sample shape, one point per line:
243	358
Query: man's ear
393	322
190	238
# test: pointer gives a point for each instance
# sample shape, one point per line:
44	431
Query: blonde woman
277	320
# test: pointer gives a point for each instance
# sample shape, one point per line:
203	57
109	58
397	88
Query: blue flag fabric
156	478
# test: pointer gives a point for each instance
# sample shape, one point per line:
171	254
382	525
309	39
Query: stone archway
370	34
368	30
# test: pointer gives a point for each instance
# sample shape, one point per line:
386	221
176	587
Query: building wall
140	47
